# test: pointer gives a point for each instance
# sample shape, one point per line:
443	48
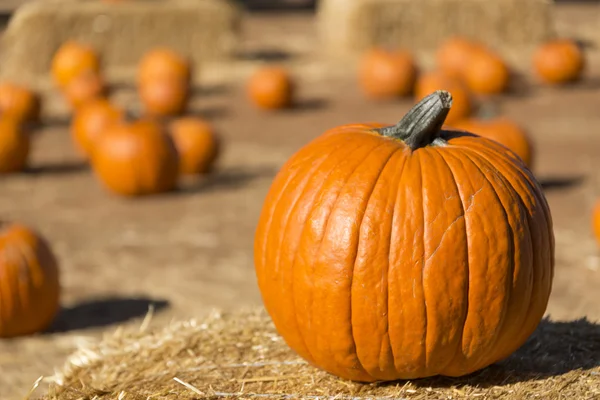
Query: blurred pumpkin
83	88
596	221
91	120
271	88
19	102
454	53
386	74
30	287
503	131
197	144
136	158
71	60
486	73
164	97
559	61
164	64
369	230
14	145
431	81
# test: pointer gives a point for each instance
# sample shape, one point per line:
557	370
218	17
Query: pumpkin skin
91	120
596	221
30	287
73	59
436	80
163	63
486	73
271	88
559	61
81	89
14	146
405	252
454	54
164	97
136	158
504	131
197	144
385	74
19	102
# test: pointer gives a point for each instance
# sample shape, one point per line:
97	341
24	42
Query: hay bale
205	30
348	27
240	355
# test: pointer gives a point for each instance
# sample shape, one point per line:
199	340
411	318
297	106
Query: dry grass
240	355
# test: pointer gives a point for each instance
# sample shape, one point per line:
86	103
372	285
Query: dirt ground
192	250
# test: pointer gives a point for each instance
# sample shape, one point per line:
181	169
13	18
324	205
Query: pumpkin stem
422	125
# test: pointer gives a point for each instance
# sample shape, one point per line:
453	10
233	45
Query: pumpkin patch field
399	224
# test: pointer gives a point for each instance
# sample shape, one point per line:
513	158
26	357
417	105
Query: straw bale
204	30
348	27
240	355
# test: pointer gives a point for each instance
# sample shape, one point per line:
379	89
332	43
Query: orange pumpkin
385	74
30	288
453	55
197	144
271	88
596	221
559	61
400	252
164	97
503	131
73	59
136	158
432	81
83	88
486	73
19	102
163	64
14	145
91	120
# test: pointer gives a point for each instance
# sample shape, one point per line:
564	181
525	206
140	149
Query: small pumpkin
197	144
435	80
91	120
14	145
559	61
487	73
502	130
386	74
30	289
369	230
453	55
83	88
164	64
136	158
271	88
596	221
164	97
71	60
19	102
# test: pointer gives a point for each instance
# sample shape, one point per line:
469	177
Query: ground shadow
268	55
58	168
550	183
209	90
55	121
278	6
212	112
103	312
555	348
226	178
311	104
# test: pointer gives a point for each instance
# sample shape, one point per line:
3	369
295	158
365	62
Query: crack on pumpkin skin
460	217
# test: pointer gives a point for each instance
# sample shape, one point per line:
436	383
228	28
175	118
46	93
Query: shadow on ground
58	168
226	178
550	183
103	312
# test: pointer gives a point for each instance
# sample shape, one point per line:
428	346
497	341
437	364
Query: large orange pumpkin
73	59
83	88
19	102
559	61
164	97
486	73
386	74
14	145
29	284
91	120
399	252
453	55
503	131
136	158
163	63
271	88
197	144
435	80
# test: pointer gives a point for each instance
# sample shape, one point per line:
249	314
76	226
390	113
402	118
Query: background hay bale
241	355
511	26
205	30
